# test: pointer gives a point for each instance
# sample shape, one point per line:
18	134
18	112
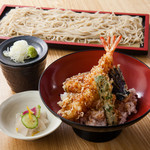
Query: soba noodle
70	26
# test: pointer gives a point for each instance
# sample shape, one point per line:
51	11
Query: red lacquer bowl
136	74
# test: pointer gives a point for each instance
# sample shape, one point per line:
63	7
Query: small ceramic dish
135	73
16	104
24	76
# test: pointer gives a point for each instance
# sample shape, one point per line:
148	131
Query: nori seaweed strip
119	84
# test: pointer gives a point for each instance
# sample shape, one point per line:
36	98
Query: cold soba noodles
70	26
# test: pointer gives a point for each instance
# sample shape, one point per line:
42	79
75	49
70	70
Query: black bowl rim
89	126
34	60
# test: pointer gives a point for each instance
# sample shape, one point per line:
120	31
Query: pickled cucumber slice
38	111
29	123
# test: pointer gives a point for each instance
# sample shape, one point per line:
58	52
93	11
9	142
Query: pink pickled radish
33	110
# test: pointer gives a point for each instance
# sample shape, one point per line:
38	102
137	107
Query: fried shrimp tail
80	91
110	46
106	61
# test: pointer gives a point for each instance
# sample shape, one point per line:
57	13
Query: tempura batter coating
81	90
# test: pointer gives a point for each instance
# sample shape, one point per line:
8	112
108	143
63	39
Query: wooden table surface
135	137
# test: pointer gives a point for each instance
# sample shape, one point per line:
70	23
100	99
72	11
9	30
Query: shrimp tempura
81	90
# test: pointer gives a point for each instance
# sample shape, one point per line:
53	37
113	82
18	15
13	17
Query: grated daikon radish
20	51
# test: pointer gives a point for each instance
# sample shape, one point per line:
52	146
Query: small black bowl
24	76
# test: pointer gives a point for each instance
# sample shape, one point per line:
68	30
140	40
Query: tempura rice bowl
135	73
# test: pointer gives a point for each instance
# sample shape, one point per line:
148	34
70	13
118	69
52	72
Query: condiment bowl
24	76
17	104
135	73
